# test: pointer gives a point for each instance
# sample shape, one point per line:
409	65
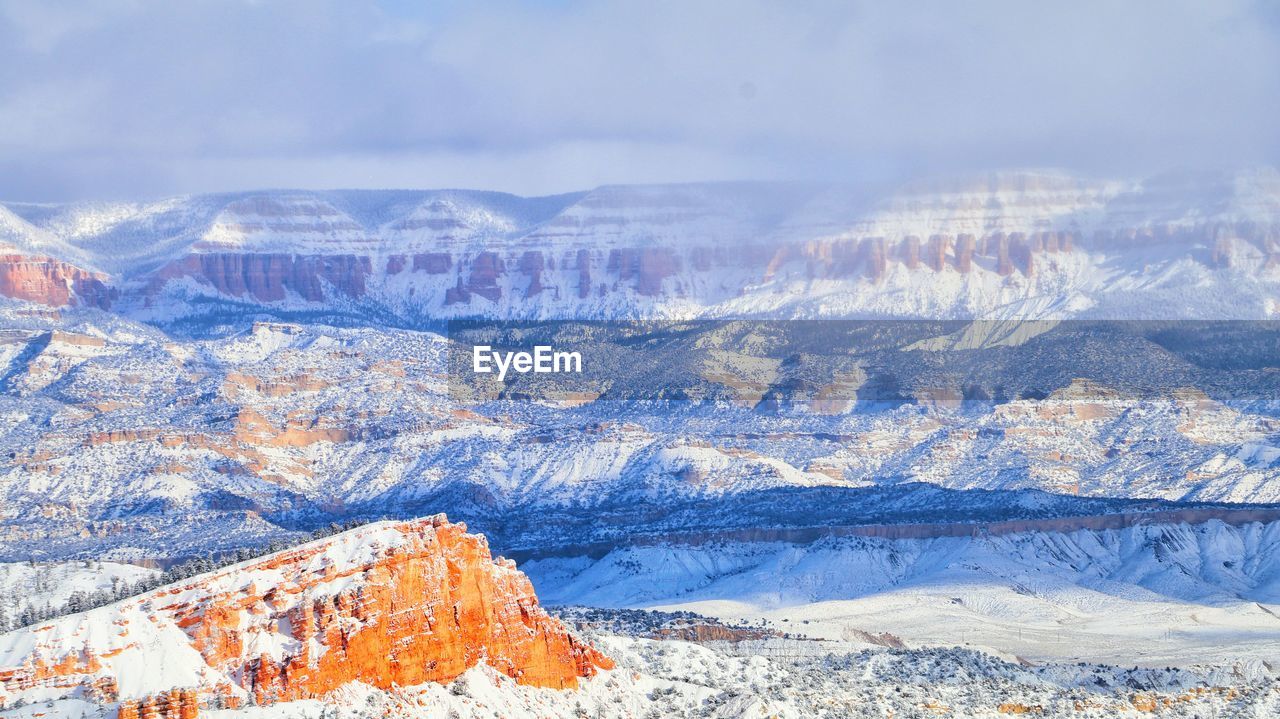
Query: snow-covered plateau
227	423
1005	244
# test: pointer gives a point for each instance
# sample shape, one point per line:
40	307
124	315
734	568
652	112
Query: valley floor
1154	596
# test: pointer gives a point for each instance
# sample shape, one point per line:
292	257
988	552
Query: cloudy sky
130	98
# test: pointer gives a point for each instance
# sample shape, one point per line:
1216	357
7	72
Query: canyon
195	376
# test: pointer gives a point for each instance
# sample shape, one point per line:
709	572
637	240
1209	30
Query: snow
1155	595
53	583
1161	271
681	679
145	630
1203	598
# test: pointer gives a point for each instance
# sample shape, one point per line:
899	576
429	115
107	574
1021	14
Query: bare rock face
999	245
1051	243
966	245
270	277
387	604
582	261
433	263
175	704
938	247
911	251
648	266
704	258
412	254
52	282
1021	252
485	270
532	264
1035	241
876	260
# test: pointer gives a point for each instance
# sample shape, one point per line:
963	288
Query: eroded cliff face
942	248
504	277
271	277
393	603
51	282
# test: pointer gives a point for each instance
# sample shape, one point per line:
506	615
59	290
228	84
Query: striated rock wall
494	272
54	283
270	277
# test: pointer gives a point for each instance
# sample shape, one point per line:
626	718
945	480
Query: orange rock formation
386	604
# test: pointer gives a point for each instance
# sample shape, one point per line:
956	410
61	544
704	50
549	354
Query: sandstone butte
387	604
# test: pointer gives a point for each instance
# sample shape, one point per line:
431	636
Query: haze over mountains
226	413
951	398
1008	244
200	375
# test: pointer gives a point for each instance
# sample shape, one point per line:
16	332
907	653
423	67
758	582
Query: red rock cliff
270	277
385	604
52	282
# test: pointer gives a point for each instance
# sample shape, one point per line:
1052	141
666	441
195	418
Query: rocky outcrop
647	266
965	247
911	252
582	261
938	247
174	704
875	258
51	282
387	604
532	265
432	263
999	245
698	245
1021	252
270	277
486	268
711	631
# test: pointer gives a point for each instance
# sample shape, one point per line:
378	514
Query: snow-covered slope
1027	244
29	588
1154	595
119	439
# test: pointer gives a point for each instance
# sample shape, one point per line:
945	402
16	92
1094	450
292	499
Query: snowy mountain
1026	244
119	442
198	377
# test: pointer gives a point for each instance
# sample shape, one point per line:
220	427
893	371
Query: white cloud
153	97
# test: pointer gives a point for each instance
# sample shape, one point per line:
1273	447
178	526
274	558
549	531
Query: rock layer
386	604
271	277
51	282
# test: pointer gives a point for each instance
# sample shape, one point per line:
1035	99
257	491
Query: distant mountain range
1007	244
186	378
